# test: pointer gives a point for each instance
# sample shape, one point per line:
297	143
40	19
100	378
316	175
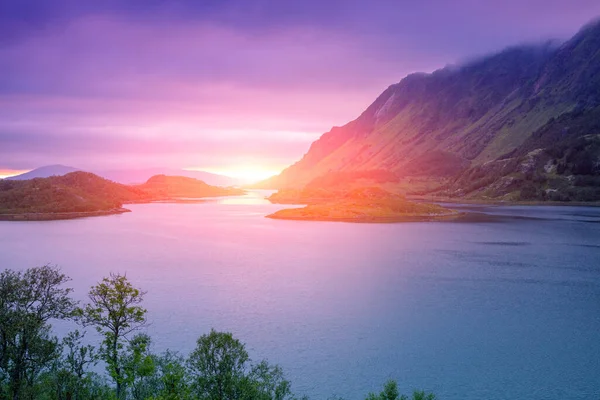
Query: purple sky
227	86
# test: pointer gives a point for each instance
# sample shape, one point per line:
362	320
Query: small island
175	188
359	205
83	194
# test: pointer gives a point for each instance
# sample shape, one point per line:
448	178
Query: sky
239	87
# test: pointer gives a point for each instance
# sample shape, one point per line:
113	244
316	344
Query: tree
78	356
28	301
421	395
71	375
266	382
34	364
390	392
217	366
139	368
170	379
115	311
220	369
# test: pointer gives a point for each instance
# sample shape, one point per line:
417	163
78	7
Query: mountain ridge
446	123
44	172
127	176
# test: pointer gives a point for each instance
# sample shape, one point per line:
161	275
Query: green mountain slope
84	192
559	162
448	124
73	192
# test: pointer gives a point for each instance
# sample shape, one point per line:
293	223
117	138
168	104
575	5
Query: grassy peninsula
83	194
358	205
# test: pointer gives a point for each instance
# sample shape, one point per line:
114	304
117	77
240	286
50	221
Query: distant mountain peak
591	28
45	172
129	176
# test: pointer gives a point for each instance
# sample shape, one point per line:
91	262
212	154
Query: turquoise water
507	308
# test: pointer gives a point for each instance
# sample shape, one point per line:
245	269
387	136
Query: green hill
73	192
162	186
83	192
458	122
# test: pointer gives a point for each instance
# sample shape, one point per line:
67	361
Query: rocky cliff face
453	122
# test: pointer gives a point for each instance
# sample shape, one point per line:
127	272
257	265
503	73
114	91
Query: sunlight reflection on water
474	311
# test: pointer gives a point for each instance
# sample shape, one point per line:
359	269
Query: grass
364	205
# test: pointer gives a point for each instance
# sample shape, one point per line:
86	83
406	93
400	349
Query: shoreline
201	199
455	216
374	219
58	216
455	200
61	215
490	202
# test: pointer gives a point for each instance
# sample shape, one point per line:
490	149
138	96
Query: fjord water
507	307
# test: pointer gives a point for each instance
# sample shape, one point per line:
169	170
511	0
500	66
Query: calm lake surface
506	308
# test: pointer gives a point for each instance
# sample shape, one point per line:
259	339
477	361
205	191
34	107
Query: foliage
559	162
221	370
267	382
35	365
171	378
115	311
70	375
390	392
139	367
28	301
217	365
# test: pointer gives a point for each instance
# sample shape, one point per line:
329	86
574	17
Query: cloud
102	149
179	82
138	82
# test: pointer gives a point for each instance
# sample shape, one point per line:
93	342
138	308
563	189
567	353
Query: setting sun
243	173
317	199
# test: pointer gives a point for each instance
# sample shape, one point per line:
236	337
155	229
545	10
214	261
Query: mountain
44	172
83	192
559	162
138	176
455	124
130	176
161	186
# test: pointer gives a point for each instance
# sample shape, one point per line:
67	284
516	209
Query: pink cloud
240	82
